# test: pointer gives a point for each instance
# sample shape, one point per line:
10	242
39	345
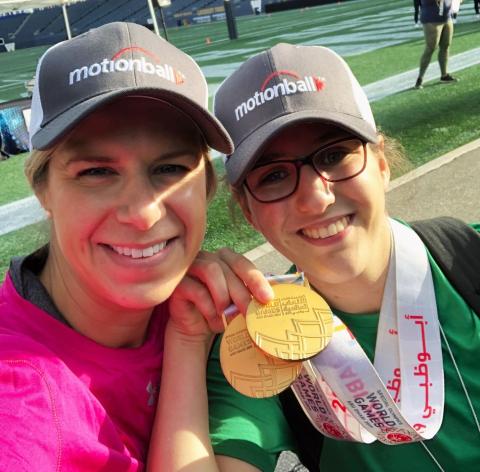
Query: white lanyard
400	398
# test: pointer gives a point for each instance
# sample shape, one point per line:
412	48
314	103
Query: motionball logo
119	64
290	83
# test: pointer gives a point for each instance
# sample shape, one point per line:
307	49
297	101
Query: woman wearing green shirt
310	171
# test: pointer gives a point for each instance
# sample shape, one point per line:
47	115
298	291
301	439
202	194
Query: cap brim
248	151
213	131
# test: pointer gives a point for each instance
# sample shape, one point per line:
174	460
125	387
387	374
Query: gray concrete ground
447	186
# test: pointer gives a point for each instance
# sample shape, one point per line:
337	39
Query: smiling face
126	192
337	233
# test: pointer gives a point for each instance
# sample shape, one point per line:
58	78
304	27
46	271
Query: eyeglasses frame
308	159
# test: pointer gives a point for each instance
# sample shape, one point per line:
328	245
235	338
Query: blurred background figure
437	21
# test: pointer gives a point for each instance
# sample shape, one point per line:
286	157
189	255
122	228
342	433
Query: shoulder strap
455	246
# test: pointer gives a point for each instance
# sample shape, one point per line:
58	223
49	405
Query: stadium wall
46	26
295	4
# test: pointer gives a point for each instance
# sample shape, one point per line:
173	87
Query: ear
42	196
383	162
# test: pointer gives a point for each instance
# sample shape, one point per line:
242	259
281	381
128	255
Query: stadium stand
9	24
28	34
46	26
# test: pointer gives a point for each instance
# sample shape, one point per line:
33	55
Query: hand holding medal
261	354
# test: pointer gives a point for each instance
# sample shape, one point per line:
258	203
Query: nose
141	204
313	193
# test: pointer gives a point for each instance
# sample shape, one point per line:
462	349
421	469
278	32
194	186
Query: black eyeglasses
338	161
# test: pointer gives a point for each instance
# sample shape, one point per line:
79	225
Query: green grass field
14	185
376	37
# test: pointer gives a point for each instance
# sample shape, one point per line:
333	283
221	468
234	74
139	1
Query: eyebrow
274	155
88	159
108	160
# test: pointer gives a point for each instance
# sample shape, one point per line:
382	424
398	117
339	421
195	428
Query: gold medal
297	324
248	369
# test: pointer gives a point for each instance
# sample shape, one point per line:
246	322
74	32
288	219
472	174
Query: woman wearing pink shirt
119	137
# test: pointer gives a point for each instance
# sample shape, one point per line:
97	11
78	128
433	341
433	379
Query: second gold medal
248	369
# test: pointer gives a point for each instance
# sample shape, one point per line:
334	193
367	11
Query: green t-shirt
255	430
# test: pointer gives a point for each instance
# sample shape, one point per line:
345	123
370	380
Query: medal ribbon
400	398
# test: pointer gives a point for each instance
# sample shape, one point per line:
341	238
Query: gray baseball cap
284	85
77	76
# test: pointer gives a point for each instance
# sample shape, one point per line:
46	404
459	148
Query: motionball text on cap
77	76
284	85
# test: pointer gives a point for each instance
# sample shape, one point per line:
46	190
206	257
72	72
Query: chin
142	299
334	273
140	302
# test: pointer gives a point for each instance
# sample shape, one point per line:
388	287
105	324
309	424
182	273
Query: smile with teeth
137	253
327	231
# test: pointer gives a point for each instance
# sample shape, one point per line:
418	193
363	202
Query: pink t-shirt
68	403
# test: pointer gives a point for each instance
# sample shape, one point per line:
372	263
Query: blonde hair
211	175
36	168
395	154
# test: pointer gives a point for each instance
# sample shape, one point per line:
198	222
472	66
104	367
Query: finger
211	272
252	277
191	306
239	293
223	283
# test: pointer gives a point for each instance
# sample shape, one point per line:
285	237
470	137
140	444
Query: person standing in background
436	19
